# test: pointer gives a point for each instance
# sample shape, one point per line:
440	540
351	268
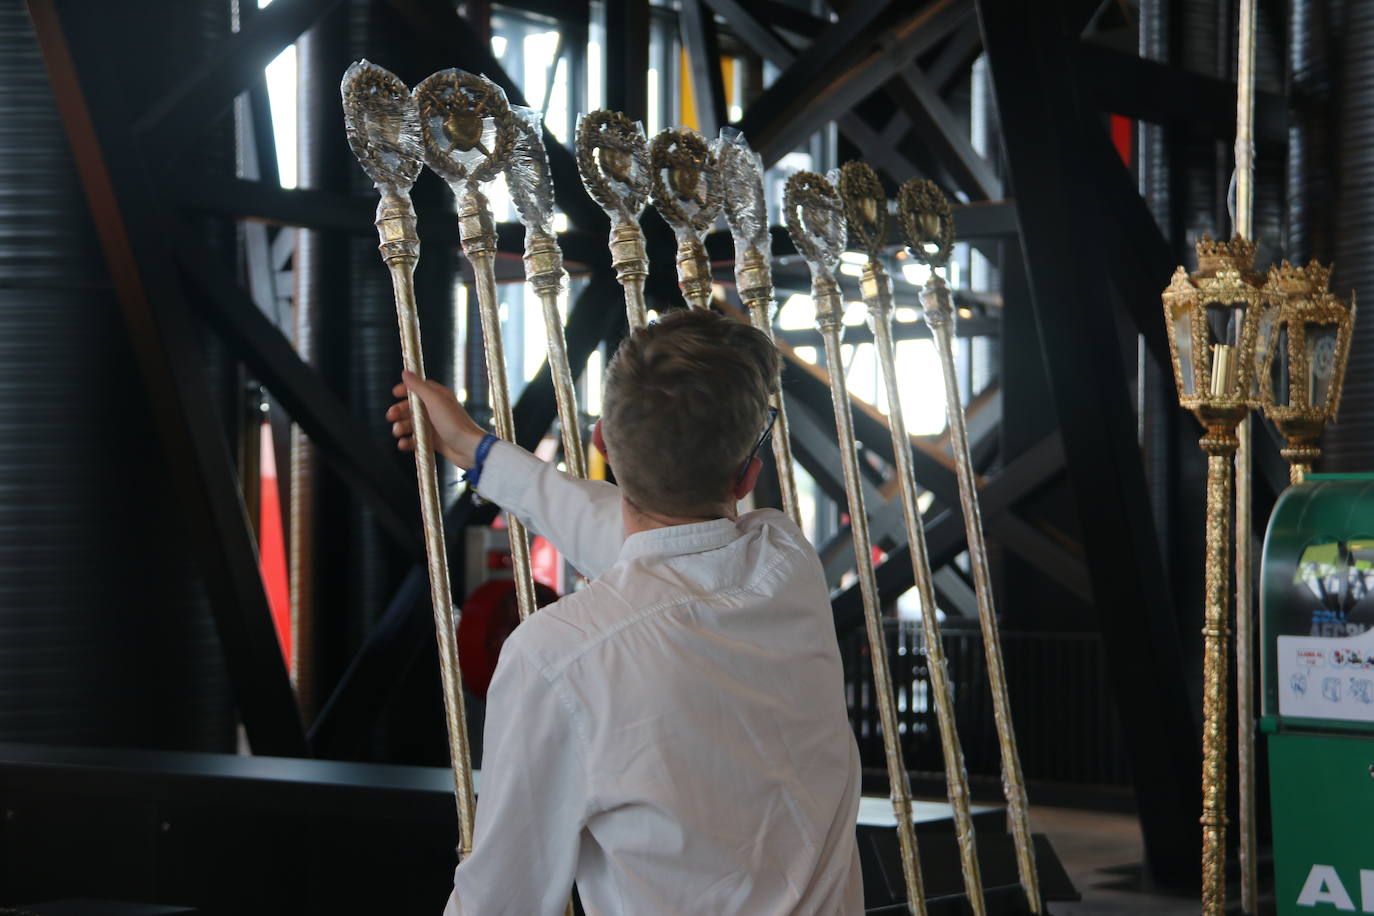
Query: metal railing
1065	719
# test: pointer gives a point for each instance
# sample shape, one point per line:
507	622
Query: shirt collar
677	540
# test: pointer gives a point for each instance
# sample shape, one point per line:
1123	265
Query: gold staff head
613	159
926	221
1303	372
527	171
815	219
383	125
928	227
865	207
467	126
1218	319
684	182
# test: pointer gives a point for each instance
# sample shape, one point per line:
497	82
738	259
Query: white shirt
673	736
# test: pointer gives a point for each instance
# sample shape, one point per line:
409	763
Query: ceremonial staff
929	229
468	132
531	188
815	220
865	207
383	129
746	213
613	160
686	191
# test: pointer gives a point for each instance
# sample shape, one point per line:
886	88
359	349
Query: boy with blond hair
673	736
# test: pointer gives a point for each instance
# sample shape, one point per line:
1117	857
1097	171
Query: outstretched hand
452	432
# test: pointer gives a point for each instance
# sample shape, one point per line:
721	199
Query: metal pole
1244	460
809	192
866	212
746	213
926	220
383	130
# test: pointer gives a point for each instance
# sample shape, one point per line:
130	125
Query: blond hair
685	400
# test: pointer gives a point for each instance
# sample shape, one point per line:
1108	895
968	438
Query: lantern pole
1217	320
1244	461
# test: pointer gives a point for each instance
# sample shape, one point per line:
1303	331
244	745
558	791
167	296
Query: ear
598	440
751	477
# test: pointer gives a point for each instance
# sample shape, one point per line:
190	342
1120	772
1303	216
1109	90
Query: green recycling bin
1317	613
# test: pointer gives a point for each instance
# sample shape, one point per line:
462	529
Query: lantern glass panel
1263	340
1321	363
1278	370
1183	340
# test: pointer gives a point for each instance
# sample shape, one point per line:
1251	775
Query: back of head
686	399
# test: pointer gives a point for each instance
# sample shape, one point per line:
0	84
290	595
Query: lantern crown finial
1313	279
1216	254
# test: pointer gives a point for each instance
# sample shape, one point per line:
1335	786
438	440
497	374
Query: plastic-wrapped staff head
527	172
741	187
815	220
383	125
466	125
927	221
865	207
686	186
613	159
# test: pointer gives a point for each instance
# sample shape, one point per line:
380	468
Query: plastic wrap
382	124
741	183
527	172
815	220
685	186
467	128
613	159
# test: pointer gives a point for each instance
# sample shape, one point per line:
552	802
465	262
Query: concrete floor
1102	852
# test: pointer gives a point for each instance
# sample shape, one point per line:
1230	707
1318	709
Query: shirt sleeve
581	517
533	800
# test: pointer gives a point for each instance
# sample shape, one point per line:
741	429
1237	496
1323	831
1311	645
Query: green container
1317	613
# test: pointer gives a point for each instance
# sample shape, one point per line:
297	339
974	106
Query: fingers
398	411
402	428
398	390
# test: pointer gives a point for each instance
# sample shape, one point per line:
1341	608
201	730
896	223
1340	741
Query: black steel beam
936	128
1061	228
901	330
353	213
838	70
272	359
179	117
698	27
627	57
1137	87
134	227
407	627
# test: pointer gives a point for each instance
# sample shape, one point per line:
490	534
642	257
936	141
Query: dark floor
1102	852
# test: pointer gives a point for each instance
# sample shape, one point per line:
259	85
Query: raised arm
581	517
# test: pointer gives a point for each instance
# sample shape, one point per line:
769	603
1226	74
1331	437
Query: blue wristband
483	448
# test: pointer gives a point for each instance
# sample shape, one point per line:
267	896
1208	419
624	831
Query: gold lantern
1302	374
1220	321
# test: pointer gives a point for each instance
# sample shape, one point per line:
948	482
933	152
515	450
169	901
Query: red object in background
545	562
488	616
272	543
1123	137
